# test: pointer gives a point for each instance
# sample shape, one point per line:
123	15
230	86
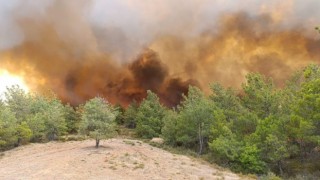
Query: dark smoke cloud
120	49
121	84
148	71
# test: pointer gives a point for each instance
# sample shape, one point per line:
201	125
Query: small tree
260	95
98	119
196	118
18	102
47	118
129	116
170	127
150	117
276	151
72	119
8	129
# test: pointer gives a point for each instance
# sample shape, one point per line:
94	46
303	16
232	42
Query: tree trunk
97	142
280	168
200	140
301	152
18	142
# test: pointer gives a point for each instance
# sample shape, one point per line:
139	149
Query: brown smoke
240	45
63	52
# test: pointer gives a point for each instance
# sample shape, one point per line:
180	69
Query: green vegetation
98	119
130	115
259	129
28	118
190	125
150	117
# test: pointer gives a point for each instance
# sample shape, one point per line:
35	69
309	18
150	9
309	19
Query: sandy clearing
116	159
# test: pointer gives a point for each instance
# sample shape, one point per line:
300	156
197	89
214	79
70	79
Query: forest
258	129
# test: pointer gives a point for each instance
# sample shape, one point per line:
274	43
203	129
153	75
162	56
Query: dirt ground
115	159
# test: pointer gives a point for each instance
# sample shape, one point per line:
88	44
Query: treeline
26	117
257	129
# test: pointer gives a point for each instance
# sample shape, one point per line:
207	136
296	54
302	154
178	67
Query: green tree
227	101
8	130
55	120
260	95
303	126
170	128
271	138
276	151
196	113
47	118
98	119
18	102
250	160
72	119
130	115
36	122
240	120
226	147
23	133
150	117
120	115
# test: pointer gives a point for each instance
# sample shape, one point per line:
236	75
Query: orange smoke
61	51
241	44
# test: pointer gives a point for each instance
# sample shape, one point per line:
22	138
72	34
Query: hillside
115	159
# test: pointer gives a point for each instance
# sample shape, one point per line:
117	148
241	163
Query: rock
157	140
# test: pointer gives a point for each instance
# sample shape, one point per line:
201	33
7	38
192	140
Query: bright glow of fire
8	80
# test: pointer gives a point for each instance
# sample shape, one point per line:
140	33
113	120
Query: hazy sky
142	20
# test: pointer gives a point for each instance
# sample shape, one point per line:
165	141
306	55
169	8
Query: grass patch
175	150
125	132
129	142
113	167
111	162
139	166
270	176
139	143
72	137
1	155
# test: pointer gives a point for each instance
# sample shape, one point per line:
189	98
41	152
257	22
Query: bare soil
115	159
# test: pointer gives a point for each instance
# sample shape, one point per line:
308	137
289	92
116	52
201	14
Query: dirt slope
116	159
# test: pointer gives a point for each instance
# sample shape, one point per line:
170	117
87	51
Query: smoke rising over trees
119	50
256	129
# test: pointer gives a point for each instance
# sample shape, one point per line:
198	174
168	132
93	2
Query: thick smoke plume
120	49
